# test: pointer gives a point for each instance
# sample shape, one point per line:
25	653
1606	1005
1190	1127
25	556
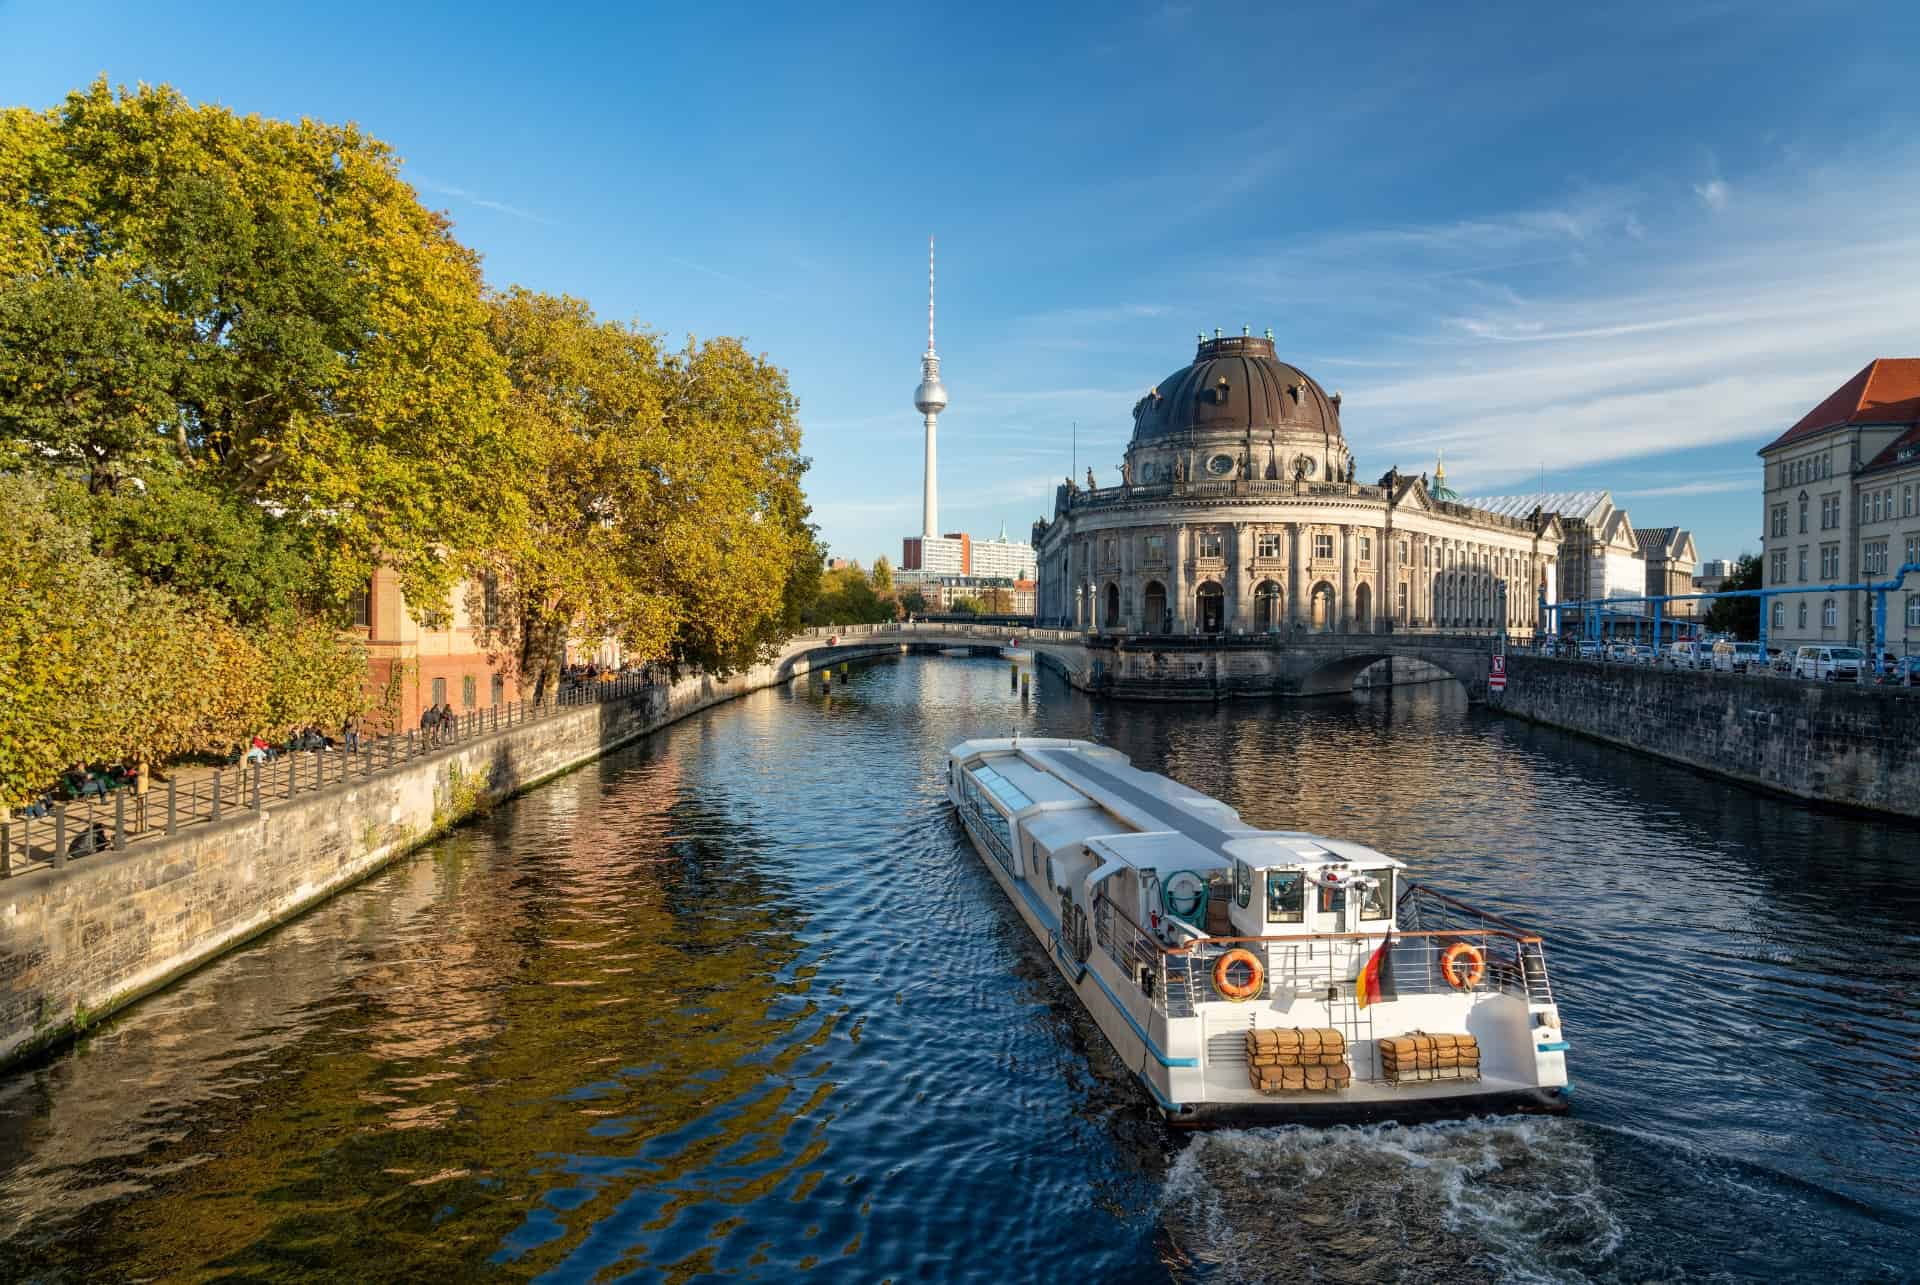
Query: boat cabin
1288	885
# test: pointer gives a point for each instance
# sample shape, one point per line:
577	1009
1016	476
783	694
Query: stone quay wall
1831	743
80	942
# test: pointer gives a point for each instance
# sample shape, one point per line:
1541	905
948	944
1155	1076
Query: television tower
930	399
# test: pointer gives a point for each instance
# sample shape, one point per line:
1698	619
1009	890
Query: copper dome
1235	384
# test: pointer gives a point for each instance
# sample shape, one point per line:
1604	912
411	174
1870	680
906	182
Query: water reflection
740	1001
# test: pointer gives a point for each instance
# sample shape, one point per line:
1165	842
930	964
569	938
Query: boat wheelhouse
1257	976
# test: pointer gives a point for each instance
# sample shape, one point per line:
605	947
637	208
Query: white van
1834	664
1737	657
1688	654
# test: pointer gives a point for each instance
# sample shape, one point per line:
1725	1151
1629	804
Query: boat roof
1168	826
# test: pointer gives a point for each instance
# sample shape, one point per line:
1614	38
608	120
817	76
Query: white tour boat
1257	976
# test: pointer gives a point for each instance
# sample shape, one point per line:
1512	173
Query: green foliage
662	500
1739	617
177	532
968	606
882	578
913	602
847	598
262	300
97	665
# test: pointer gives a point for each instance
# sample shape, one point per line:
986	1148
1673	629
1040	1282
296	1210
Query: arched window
1779	614
1829	613
1803	613
1111	618
1154	609
1266	607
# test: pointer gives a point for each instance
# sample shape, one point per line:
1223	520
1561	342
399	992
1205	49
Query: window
469	691
1323	546
1268	547
490	600
1106	550
1906	501
1209	544
1803	562
361	604
1913	611
1377	901
1829	613
1366	547
1803	515
1284	904
1779	519
1913	549
1873	558
1403	553
1779	614
439	691
1803	613
1779	567
1829	512
1156	548
499	690
1242	884
1829	559
1403	602
1332	901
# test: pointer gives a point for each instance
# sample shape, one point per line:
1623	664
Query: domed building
1239	511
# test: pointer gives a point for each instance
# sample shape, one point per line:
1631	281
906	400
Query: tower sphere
931	397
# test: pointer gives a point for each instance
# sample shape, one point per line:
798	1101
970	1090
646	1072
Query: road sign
1497	677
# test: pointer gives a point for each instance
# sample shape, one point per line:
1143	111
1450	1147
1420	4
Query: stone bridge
1178	667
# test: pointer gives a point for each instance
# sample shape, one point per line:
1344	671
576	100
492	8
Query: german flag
1375	982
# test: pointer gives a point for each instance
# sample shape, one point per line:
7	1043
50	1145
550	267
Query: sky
1571	246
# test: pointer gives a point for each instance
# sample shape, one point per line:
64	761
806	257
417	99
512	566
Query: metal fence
69	830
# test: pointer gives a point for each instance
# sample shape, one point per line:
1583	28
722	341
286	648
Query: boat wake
1516	1200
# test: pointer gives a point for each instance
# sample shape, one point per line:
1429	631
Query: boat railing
1421	908
1323	965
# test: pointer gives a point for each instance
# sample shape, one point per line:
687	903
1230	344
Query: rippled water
742	1001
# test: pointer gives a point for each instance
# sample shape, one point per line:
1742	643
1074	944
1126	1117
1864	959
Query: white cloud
1713	192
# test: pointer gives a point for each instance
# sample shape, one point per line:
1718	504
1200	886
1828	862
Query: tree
998	601
967	606
913	602
267	304
882	575
847	598
662	502
1739	617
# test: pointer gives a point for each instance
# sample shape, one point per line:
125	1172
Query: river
740	1000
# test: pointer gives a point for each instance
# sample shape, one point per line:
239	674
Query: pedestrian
429	724
350	734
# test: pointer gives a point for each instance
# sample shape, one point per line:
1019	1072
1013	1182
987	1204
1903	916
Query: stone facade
1239	512
1841	505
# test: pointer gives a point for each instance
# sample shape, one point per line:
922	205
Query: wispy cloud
1720	486
1712	193
474	198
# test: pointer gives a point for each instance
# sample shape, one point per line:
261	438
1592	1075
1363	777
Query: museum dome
1235	384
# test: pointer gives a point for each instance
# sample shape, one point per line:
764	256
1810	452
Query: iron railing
54	833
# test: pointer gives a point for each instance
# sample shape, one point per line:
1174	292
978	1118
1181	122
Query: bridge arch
1334	673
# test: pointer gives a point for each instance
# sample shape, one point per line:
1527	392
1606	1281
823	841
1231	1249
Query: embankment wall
80	942
1829	743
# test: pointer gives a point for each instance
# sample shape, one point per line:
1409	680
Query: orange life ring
1240	992
1462	979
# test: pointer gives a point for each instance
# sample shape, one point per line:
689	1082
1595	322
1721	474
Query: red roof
1886	391
1908	444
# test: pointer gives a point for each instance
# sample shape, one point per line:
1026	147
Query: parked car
1591	650
1731	657
1903	672
1688	655
1619	651
1644	654
1832	664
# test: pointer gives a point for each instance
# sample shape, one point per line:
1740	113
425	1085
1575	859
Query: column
1295	571
1346	579
1181	590
1238	560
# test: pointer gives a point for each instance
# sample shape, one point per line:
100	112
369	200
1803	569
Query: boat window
1333	901
1283	896
1009	794
1378	902
1242	884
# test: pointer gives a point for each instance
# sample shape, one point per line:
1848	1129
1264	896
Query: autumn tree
263	304
662	500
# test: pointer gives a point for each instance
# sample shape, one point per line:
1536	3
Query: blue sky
1624	247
